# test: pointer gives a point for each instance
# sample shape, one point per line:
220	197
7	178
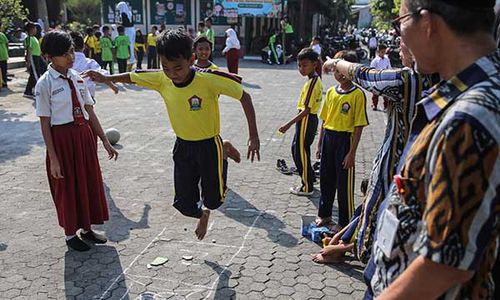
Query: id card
387	233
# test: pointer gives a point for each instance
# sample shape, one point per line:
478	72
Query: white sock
84	231
69	237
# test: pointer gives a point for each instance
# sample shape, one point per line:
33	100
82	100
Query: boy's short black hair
381	46
308	53
120	29
56	43
98	34
154	27
89	30
317	38
201	23
349	56
105	28
77	40
174	44
201	39
209	19
29	25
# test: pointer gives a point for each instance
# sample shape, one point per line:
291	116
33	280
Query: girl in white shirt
68	124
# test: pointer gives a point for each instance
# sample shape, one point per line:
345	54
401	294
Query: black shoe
294	170
282	167
94	237
76	244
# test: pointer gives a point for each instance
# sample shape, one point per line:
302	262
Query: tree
11	11
383	12
85	12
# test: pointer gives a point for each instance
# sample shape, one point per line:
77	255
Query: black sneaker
76	244
94	237
294	171
282	167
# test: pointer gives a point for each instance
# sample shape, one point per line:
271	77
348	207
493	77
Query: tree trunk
41	8
302	19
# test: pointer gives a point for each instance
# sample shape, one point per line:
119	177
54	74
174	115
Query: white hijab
123	8
231	41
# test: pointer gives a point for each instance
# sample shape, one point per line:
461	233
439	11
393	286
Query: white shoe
298	191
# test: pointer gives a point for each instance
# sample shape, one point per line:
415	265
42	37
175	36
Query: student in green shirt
106	49
210	33
34	61
201	29
4	55
122	44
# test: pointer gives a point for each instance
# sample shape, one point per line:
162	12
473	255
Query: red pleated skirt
232	57
79	197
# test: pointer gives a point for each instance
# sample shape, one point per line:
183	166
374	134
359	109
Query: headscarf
124	9
232	40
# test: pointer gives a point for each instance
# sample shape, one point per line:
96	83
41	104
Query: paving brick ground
253	249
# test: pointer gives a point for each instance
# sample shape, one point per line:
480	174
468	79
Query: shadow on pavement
268	222
222	291
17	137
118	227
90	274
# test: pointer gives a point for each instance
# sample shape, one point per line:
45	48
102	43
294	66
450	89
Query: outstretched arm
253	134
389	83
294	120
107	79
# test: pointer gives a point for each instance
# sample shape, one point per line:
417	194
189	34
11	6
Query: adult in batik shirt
438	229
403	87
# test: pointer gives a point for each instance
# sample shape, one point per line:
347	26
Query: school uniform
212	66
122	44
79	197
82	64
305	131
106	53
37	64
140	49
152	59
193	109
341	112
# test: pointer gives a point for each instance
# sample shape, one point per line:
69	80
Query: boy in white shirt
82	63
380	62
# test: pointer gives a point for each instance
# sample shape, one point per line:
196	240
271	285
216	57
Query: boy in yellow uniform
344	116
306	121
191	97
151	47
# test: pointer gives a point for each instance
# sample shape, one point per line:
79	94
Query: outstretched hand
253	149
95	76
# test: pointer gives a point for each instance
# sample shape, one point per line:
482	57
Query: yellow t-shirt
194	108
151	40
97	46
211	67
90	42
311	95
344	110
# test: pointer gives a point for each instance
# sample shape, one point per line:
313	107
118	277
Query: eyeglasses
396	23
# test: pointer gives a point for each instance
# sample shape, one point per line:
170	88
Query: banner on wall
235	8
112	16
170	12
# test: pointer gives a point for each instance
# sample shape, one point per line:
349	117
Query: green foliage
339	11
383	12
77	26
11	11
85	12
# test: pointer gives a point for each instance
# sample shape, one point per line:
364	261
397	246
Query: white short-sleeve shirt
53	96
380	63
82	64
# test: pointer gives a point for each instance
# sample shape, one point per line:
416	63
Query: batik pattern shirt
403	87
446	204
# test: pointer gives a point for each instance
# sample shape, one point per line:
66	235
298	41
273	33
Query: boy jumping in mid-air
191	97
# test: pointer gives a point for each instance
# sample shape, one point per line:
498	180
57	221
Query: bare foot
231	152
201	228
323	221
323	259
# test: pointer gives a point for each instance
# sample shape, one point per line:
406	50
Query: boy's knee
187	209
